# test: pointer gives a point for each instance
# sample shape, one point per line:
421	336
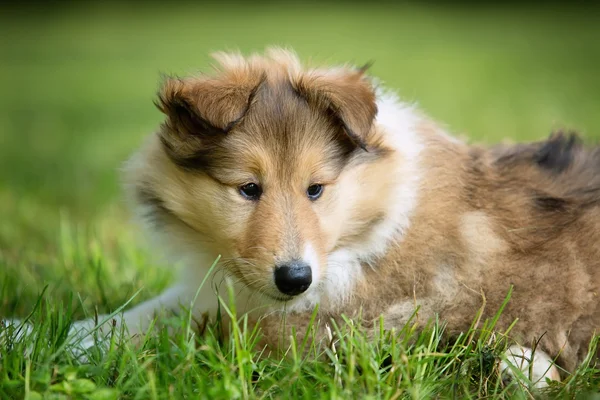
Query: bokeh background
77	84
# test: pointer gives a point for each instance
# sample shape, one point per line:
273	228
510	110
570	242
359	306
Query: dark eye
251	191
314	191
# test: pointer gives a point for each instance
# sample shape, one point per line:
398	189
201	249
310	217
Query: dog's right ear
201	111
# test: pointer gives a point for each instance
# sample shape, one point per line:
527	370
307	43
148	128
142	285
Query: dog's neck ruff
345	266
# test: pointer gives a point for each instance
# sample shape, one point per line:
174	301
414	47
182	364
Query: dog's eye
251	191
314	191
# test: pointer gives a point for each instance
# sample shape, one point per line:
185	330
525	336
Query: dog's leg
181	298
536	365
137	320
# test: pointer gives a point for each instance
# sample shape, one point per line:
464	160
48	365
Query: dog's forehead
283	135
278	105
279	118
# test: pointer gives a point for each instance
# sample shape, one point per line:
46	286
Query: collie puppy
316	186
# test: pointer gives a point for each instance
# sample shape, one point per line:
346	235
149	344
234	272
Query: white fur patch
537	366
311	258
343	271
399	121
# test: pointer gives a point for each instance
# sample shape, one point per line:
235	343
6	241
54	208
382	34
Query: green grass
76	97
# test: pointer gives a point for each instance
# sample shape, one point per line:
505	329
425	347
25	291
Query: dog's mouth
267	291
280	297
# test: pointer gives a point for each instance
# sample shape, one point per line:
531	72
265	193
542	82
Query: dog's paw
536	365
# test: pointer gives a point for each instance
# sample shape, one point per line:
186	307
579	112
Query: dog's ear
345	94
203	110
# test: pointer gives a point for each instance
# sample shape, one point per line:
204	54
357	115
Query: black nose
293	278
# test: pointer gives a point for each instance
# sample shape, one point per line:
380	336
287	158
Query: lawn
77	85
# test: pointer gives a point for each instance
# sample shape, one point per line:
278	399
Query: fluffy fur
409	217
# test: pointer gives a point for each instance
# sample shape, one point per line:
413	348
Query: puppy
316	187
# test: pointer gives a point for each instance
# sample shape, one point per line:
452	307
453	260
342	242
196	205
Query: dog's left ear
347	95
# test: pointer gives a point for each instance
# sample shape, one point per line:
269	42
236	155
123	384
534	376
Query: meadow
77	89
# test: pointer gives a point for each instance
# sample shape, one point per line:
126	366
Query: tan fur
484	218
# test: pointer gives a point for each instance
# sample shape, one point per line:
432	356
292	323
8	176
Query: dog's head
260	163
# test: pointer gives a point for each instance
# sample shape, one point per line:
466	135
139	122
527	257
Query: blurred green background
78	81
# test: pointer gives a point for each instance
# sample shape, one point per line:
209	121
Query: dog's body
367	207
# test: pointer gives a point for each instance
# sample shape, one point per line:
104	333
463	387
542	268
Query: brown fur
485	219
507	219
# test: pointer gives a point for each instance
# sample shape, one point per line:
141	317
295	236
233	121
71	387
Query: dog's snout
293	278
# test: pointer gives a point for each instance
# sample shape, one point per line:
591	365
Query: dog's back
525	216
556	185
